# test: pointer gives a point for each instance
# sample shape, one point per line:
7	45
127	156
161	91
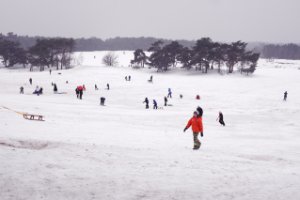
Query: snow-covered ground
122	151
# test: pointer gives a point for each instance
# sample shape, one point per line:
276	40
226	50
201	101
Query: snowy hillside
122	151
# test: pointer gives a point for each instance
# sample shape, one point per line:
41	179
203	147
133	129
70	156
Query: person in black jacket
285	96
146	102
221	118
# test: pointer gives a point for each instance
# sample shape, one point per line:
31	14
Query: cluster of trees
46	52
97	44
287	51
204	55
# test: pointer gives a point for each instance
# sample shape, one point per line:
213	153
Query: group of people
128	78
155	106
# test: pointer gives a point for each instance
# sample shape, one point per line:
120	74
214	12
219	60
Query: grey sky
222	20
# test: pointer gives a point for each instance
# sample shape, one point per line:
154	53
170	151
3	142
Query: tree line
205	55
286	51
46	52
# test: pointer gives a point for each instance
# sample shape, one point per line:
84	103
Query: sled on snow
33	117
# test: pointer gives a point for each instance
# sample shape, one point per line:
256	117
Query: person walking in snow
221	119
96	87
197	127
129	78
126	79
285	95
107	86
55	88
146	102
166	101
154	104
30	81
21	90
50	71
169	93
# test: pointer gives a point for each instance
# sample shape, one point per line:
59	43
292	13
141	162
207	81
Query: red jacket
196	123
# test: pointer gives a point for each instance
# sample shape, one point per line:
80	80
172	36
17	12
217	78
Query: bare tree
110	59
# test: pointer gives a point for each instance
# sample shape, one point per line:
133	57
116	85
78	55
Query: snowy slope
122	151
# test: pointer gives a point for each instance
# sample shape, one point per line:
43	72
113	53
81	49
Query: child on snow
197	127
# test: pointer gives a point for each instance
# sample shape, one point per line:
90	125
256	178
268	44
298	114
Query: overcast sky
222	20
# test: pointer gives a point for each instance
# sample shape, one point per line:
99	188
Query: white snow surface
122	151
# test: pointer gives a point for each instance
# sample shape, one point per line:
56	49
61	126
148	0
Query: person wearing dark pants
146	102
154	104
285	96
197	127
166	101
221	119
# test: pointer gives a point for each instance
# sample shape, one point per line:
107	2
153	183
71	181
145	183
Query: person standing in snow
166	101
151	79
285	96
154	104
220	118
79	92
199	111
146	102
126	78
55	88
30	81
107	86
169	93
129	78
50	71
197	127
21	90
96	87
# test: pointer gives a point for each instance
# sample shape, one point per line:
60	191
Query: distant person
30	81
96	87
55	88
146	102
180	96
38	90
199	111
221	118
169	93
107	86
83	87
21	90
79	92
102	101
50	71
126	79
285	95
154	104
197	127
129	78
166	101
151	79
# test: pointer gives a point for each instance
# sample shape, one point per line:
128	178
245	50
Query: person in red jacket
197	127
